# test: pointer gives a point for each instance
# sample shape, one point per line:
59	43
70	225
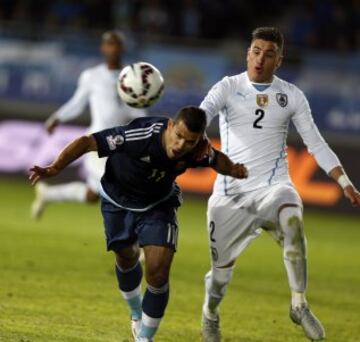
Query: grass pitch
57	282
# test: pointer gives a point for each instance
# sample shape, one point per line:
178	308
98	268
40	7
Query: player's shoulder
147	122
284	86
92	71
234	79
231	81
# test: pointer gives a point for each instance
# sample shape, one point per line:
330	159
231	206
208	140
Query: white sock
297	299
75	192
216	282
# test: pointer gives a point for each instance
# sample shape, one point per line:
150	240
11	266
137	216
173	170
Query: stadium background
56	281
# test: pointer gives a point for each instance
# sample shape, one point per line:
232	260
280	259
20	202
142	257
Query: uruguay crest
282	99
262	100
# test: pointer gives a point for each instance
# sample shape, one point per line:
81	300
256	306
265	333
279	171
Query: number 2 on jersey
259	112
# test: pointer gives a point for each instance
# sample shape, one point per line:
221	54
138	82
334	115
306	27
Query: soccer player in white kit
255	108
96	88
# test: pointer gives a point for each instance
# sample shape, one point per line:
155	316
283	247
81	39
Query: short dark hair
193	117
114	34
271	34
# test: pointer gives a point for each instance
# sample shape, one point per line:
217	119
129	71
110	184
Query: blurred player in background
140	199
96	88
255	109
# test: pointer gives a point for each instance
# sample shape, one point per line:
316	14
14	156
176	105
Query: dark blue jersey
138	173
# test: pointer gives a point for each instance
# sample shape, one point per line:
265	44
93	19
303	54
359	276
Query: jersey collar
260	87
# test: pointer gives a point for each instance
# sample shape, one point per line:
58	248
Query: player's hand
239	171
51	123
202	148
353	195
38	173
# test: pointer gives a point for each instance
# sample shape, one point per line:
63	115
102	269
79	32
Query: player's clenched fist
202	148
38	173
353	195
239	171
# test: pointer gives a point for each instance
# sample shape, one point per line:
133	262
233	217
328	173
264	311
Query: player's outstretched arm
72	108
70	153
226	167
51	123
350	192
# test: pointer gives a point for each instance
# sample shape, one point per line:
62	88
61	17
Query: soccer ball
140	85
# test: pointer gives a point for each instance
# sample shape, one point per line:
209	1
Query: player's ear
279	62
248	53
171	123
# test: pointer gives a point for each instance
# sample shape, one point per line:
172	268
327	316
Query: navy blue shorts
157	226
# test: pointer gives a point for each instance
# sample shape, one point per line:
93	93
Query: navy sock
130	286
153	305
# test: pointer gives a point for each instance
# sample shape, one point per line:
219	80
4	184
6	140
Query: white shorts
94	168
234	221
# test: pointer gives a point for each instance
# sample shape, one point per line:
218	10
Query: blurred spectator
153	18
324	24
190	23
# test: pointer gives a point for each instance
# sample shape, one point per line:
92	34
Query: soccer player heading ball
255	109
139	199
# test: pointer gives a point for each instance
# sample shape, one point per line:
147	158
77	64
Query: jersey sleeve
216	99
316	145
76	105
208	160
110	141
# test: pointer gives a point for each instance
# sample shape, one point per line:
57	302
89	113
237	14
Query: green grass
57	281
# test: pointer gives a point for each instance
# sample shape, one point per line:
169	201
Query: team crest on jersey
282	99
114	141
262	100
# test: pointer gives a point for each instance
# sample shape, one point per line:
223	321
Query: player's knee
157	277
219	278
91	196
127	257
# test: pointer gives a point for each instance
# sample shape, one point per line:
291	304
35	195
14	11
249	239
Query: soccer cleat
135	327
38	204
211	329
312	327
143	339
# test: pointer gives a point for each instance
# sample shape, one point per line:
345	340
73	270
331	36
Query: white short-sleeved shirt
254	126
97	88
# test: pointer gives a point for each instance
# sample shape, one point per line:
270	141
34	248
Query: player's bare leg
129	274
216	282
158	261
69	192
294	243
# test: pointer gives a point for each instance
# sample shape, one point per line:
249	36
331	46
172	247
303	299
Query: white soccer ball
140	85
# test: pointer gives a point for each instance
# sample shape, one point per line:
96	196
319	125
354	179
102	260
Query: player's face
263	58
111	47
180	140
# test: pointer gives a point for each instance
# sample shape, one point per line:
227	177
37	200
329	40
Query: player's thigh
158	261
158	227
120	226
231	227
